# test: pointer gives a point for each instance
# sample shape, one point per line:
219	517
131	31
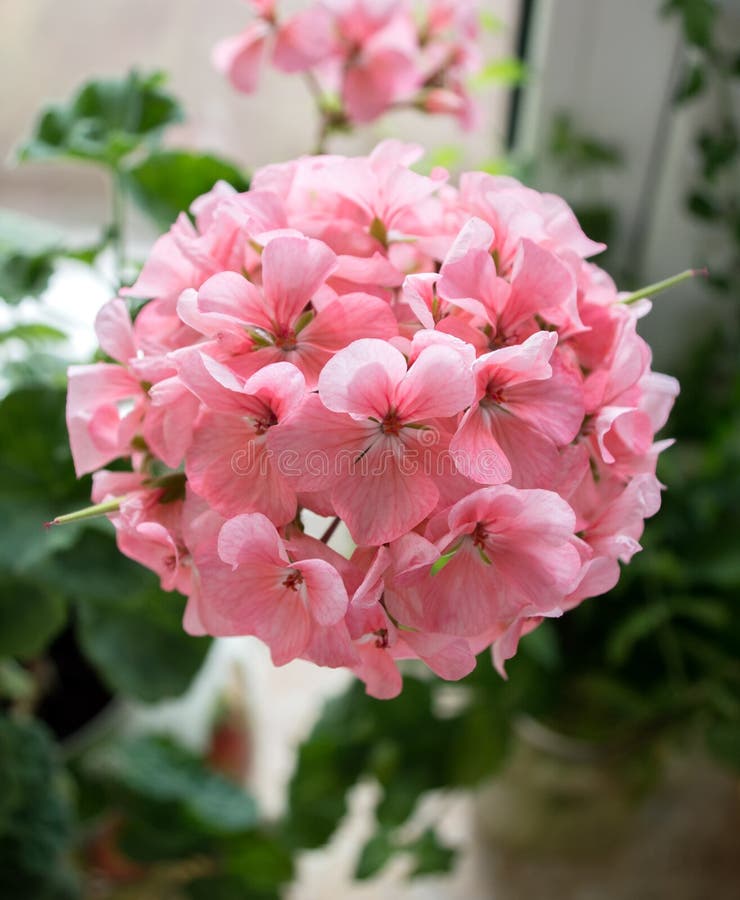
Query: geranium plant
438	368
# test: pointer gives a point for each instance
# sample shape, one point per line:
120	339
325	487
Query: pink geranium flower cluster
437	368
365	57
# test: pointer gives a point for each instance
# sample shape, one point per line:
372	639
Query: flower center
391	424
267	421
479	536
293	580
286	340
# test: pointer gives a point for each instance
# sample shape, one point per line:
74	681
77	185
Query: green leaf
431	856
692	83
128	627
723	740
508	72
704	206
105	121
158	770
375	854
697	19
259	861
165	183
36	479
32	333
634	628
35	817
27	250
29	617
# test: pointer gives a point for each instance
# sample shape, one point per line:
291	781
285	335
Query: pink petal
384	504
293	269
325	591
115	331
240	57
249	540
476	453
362	378
438	384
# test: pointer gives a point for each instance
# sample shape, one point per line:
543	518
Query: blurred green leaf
128	627
703	205
507	72
157	769
697	18
165	183
27	250
692	84
29	617
431	856
723	740
32	333
637	626
577	152
259	861
105	121
36	479
375	854
719	148
35	816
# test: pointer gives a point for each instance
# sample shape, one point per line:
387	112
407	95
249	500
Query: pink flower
229	463
250	585
372	427
508	552
280	321
438	371
523	411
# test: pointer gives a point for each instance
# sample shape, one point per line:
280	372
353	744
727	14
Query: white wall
612	64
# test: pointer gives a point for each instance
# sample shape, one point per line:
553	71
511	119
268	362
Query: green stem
90	512
659	286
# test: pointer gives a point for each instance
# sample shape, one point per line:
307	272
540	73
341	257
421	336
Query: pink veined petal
540	282
213	383
361	379
383	504
418	292
554	407
372	84
505	646
529	361
440	610
280	386
250	539
286	627
115	331
231	468
293	269
305	39
349	318
239	57
315	446
378	670
532	455
169	420
325	591
332	646
371	589
438	384
475	451
228	300
449	657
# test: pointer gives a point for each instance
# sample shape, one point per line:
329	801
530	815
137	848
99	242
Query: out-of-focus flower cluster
365	57
439	368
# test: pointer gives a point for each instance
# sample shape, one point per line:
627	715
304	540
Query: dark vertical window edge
524	33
